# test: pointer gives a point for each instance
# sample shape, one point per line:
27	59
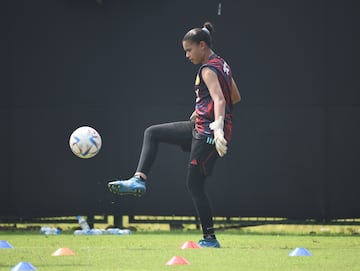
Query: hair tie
205	30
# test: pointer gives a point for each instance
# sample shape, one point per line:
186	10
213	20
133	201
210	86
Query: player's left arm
193	116
212	82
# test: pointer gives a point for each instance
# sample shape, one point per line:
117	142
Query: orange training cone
177	260
189	244
63	252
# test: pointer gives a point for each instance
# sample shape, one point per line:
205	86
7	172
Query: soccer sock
209	233
209	236
141	179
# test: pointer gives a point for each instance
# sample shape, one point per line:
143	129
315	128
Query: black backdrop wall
119	67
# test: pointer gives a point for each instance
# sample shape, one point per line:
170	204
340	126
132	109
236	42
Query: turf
150	251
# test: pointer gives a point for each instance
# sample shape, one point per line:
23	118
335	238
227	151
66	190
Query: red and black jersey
205	105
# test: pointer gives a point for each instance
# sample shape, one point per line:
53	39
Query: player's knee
150	132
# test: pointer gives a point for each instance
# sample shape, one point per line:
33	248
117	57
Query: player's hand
193	116
220	142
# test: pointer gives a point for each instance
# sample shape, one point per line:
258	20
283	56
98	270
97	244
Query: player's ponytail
201	34
209	27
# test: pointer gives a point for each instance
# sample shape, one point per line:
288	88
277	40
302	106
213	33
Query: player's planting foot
209	242
134	186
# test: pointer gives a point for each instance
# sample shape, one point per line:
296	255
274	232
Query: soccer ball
85	142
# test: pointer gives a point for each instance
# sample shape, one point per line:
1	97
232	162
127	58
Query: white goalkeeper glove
220	142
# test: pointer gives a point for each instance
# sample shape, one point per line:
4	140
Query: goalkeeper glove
220	142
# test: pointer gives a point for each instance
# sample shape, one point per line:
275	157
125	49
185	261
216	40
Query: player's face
193	51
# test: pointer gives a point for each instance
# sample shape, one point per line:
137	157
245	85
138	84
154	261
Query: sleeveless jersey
205	105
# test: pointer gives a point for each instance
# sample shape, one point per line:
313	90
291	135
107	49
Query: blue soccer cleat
134	186
209	242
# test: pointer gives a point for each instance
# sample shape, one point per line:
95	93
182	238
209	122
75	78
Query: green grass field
150	251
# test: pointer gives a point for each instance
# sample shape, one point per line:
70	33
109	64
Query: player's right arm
235	94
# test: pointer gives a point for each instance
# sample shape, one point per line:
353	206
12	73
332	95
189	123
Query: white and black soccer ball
85	142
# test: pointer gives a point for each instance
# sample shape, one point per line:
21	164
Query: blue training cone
5	244
23	266
300	251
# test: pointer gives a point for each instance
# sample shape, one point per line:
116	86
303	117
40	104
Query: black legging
178	133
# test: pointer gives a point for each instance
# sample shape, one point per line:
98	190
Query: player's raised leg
177	133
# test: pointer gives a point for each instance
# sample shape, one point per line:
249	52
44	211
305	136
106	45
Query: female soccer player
206	134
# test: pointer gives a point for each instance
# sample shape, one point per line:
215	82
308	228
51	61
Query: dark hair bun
209	26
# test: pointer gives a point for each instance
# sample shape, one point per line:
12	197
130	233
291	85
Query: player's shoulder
208	70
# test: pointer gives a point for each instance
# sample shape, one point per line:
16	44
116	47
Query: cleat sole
116	190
